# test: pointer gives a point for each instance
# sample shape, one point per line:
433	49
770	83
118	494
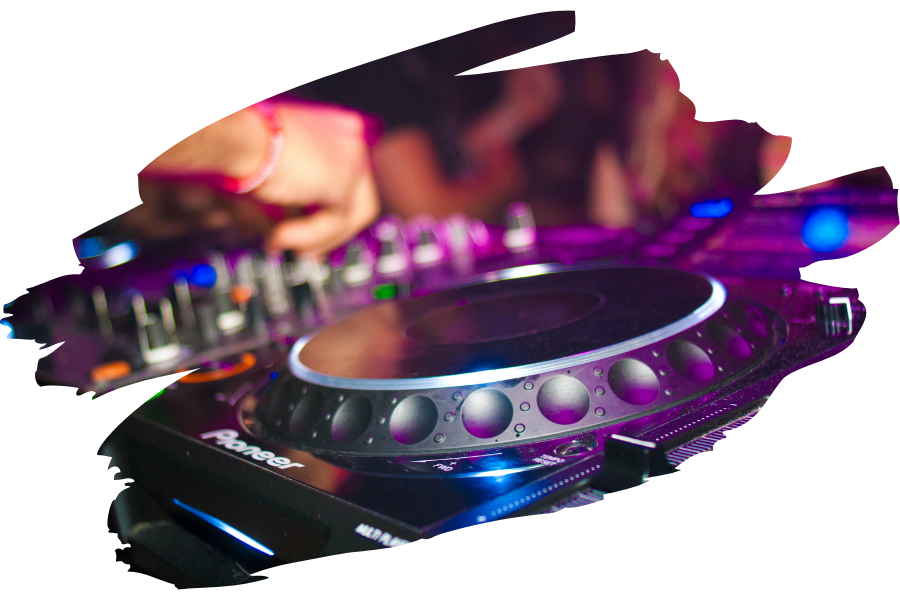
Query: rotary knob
428	249
520	231
357	267
393	254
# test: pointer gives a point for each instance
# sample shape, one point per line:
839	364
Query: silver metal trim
715	302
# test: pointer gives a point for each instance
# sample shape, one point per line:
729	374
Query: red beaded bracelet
274	153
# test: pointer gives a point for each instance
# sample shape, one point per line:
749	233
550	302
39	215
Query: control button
298	275
757	322
836	317
458	238
690	361
110	371
241	294
156	333
563	400
520	231
229	319
427	249
221	370
728	339
393	254
270	406
104	322
245	280
182	293
206	320
305	414
825	228
273	286
351	419
481	237
413	419
203	275
357	267
487	413
633	381
576	447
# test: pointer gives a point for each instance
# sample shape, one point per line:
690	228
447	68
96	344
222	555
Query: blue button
203	275
715	209
825	228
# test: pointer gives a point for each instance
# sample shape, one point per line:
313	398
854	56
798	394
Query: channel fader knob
156	331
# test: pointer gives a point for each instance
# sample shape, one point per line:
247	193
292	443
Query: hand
324	170
325	167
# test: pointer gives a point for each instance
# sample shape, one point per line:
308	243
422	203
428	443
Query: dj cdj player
435	374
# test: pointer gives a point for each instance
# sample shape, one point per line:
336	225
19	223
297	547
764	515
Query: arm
231	147
530	97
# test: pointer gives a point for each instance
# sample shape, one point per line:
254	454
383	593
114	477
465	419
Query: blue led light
715	209
203	275
119	254
501	473
90	247
825	228
223	526
273	375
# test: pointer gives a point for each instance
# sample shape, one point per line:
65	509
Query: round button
728	339
757	322
274	398
563	400
633	381
305	414
110	371
487	413
351	419
413	419
690	361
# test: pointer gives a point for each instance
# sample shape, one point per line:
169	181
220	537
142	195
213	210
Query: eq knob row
424	242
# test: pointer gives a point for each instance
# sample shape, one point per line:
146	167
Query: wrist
231	147
271	160
243	144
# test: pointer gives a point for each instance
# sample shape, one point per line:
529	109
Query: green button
385	291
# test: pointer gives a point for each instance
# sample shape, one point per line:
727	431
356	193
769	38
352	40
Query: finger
314	234
331	226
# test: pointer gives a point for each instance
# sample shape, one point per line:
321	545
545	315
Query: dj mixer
434	374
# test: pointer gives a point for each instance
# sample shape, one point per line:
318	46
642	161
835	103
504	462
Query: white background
799	502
